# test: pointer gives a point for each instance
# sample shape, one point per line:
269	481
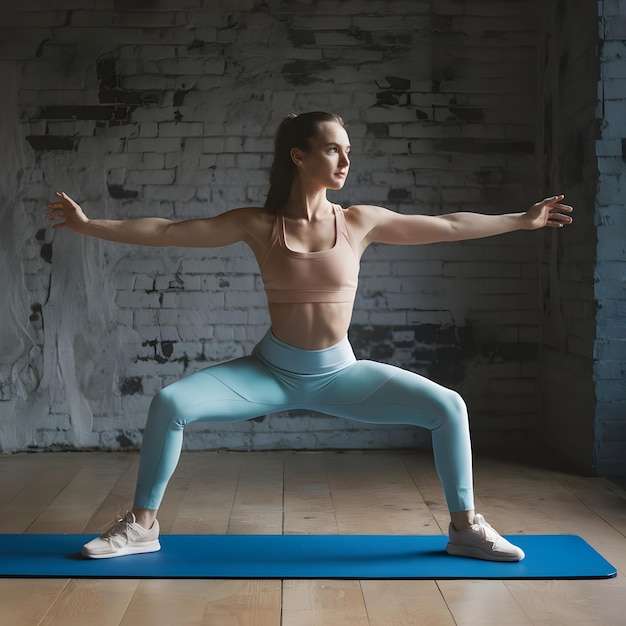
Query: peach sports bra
323	276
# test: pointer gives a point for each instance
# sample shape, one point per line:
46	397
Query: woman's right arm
221	230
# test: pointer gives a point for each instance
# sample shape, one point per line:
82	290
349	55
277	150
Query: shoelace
490	533
120	526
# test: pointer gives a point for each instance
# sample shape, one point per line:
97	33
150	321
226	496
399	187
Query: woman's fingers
558	219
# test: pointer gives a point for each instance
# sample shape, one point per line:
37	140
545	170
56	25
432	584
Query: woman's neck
306	204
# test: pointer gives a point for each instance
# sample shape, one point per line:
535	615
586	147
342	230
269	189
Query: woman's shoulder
256	222
361	219
364	213
252	216
253	212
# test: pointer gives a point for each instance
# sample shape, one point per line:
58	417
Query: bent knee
452	409
164	408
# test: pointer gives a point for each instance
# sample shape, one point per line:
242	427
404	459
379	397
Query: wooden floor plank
396	602
119	499
258	505
601	496
14	476
243	603
25	601
167	602
73	507
90	601
20	513
571	602
482	603
384	502
308	507
176	492
421	468
208	503
323	603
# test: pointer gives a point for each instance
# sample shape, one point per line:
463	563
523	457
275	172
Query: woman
308	252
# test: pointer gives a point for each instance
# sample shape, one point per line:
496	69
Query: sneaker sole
477	553
149	546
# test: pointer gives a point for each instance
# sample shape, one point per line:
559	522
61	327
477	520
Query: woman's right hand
66	209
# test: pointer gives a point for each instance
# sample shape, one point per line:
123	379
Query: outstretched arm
221	230
395	228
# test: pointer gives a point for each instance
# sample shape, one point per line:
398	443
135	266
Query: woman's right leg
233	391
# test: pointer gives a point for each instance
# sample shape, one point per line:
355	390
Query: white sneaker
124	537
481	541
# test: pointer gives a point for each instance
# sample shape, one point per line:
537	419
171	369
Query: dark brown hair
293	132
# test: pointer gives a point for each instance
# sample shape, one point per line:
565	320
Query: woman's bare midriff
310	325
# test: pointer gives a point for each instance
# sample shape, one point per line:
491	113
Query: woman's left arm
395	228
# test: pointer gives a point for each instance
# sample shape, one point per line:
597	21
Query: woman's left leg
382	394
377	393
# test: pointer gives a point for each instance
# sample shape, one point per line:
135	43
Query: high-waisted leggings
279	377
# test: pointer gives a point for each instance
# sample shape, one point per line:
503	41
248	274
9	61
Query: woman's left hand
548	212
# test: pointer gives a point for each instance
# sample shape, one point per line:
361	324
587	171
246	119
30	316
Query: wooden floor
347	493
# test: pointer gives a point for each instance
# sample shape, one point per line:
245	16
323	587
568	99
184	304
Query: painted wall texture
583	351
568	79
168	107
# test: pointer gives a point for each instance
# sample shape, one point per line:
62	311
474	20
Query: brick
154	145
610	187
132	299
612	349
227	36
611	249
150	177
614	126
151	161
214	145
481	270
612	66
247	161
253	144
258	317
388	23
33	19
611	7
202	67
180	129
614	28
173	192
244	299
613	89
321	22
203	17
225	161
391	318
609	147
148	129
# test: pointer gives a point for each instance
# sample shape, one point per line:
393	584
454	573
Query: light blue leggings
279	377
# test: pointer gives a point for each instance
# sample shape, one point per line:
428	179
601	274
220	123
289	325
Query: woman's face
326	161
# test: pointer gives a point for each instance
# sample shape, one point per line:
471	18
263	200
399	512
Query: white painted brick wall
442	118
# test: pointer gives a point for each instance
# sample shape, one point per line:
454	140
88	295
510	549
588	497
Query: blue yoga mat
299	556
